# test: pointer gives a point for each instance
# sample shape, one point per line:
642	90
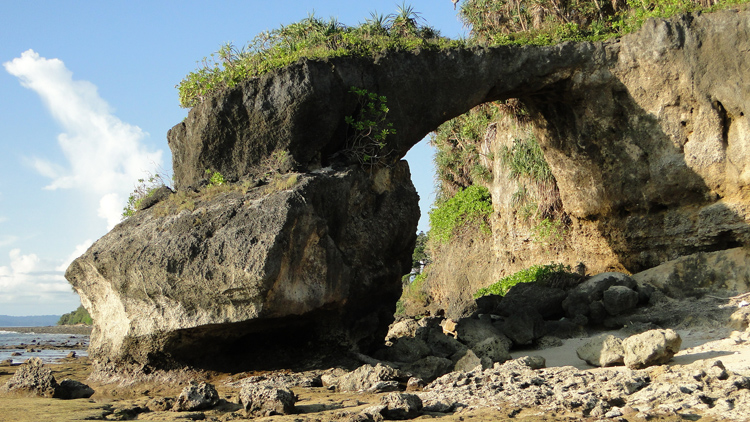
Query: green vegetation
370	128
413	292
543	22
458	160
537	195
421	255
312	38
469	206
492	22
79	316
215	178
143	189
535	273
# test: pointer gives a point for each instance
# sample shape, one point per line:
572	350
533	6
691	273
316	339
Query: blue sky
87	94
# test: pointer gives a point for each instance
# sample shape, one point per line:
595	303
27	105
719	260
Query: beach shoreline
52	329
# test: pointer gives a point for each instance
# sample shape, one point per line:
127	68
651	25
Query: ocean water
11	341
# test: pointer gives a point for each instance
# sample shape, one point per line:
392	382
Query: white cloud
110	208
104	156
33	286
79	250
29	273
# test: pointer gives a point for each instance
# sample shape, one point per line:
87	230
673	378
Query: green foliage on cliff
459	156
543	22
79	316
143	189
369	128
535	273
421	254
472	205
313	38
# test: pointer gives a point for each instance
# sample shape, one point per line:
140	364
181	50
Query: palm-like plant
405	21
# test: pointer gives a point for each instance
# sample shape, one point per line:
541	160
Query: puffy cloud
31	281
104	156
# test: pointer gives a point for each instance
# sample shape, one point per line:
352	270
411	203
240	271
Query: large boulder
211	278
32	378
586	297
654	347
603	350
196	396
266	400
701	273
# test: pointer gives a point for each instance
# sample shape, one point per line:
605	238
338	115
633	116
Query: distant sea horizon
29	321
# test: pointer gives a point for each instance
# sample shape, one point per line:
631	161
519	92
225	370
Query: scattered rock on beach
196	397
32	378
71	389
267	400
654	347
604	350
400	406
374	379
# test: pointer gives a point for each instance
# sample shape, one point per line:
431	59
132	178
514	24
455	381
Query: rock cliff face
646	136
208	279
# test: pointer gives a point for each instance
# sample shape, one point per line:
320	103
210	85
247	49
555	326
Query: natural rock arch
647	137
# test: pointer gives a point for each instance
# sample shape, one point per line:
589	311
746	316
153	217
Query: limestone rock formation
647	137
654	347
34	379
604	350
215	277
196	397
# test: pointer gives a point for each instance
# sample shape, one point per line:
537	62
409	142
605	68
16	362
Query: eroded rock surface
220	276
647	137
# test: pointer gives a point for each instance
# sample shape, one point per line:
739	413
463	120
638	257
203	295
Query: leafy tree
79	316
421	255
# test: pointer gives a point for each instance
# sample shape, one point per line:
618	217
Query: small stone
401	406
415	384
196	397
266	400
613	413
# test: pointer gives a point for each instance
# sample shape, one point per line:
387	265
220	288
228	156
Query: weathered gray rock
442	345
523	326
545	300
604	350
404	328
70	389
565	328
473	331
374	379
700	273
267	400
618	299
430	367
638	132
494	349
470	361
196	396
32	378
187	284
581	299
654	347
154	197
401	406
404	349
